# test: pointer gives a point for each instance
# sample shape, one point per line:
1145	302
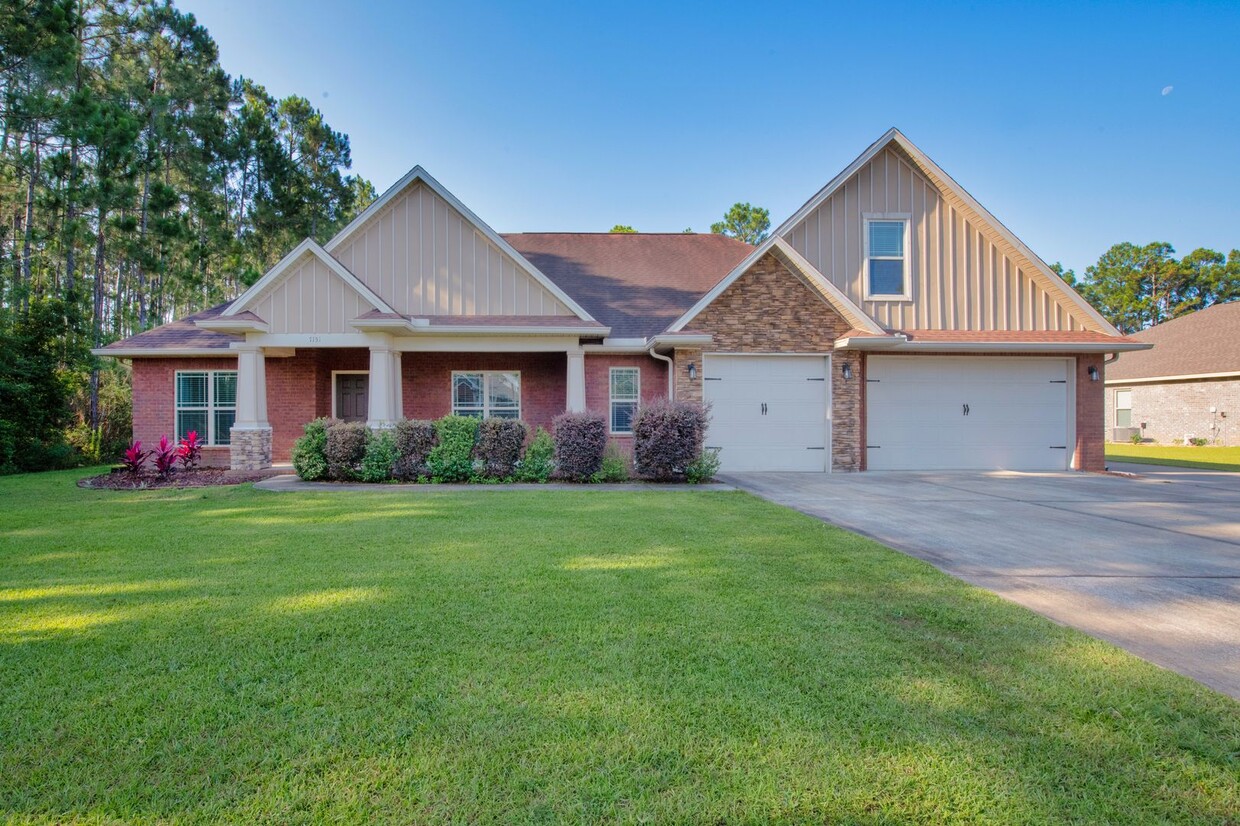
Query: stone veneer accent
250	448
769	309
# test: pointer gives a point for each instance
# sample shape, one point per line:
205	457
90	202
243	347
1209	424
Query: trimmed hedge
452	460
380	457
415	439
538	463
310	451
580	440
500	444
346	447
668	436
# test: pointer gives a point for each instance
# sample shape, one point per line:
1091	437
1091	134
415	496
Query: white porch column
576	381
379	410
250	437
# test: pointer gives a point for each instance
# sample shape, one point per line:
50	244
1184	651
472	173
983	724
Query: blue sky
1078	124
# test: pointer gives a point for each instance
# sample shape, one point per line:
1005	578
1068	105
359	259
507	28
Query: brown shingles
1207	341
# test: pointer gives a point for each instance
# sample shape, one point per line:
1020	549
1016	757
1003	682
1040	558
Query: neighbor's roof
635	283
1201	343
182	334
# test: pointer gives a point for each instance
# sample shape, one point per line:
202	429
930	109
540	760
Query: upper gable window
886	257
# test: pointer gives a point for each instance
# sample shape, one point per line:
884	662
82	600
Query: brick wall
1090	440
598	384
770	310
426	382
154	400
1174	410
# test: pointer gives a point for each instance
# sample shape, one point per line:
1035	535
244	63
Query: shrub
166	456
667	436
415	438
1136	438
500	442
538	463
310	451
580	439
1198	441
189	451
615	467
134	458
704	467
346	447
380	456
452	460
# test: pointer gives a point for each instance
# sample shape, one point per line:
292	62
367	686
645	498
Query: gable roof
286	266
1203	343
420	175
180	337
637	283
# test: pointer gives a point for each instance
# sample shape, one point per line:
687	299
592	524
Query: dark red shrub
166	457
346	447
189	451
668	436
415	439
580	440
500	445
135	457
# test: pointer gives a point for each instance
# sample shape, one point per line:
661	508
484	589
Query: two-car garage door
922	412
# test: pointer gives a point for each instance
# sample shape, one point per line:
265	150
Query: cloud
1166	90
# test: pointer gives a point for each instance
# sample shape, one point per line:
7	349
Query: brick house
1187	387
890	323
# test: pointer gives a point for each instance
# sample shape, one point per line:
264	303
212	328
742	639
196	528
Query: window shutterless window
484	394
626	385
886	258
1123	408
206	402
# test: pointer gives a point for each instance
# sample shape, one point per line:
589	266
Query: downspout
671	371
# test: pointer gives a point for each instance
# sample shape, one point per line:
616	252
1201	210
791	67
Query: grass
1208	457
228	655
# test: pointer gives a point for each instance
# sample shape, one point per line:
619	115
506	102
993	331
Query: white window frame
486	391
211	437
887	217
1115	408
612	399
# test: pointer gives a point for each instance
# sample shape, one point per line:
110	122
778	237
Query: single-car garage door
948	413
768	412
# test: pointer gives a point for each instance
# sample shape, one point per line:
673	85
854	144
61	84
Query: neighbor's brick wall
770	310
154	400
1174	410
426	382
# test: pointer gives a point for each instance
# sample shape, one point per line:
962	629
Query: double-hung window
485	394
886	257
626	387
206	402
1123	408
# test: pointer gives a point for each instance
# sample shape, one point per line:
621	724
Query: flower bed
122	479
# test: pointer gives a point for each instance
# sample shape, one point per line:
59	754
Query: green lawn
1211	458
537	656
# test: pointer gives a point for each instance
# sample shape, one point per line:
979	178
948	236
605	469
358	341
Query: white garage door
967	413
768	412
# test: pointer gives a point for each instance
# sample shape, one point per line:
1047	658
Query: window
1123	408
626	387
886	260
486	394
207	403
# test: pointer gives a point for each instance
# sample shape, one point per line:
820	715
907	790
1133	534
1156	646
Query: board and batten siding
424	257
310	299
964	275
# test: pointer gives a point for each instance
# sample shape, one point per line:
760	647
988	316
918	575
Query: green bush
415	439
615	466
380	456
346	447
1136	438
1198	441
310	451
538	462
704	467
452	460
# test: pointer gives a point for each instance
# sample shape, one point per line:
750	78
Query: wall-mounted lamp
692	371
846	370
1093	373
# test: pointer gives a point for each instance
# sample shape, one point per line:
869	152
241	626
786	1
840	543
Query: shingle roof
635	283
180	334
1207	341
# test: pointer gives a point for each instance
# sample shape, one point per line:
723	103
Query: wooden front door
352	392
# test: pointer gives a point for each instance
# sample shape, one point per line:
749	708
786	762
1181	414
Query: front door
352	392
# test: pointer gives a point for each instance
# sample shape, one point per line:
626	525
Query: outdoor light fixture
692	371
846	370
1093	373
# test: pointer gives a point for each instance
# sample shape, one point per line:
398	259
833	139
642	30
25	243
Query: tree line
139	182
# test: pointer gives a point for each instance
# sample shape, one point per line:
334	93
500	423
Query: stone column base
251	448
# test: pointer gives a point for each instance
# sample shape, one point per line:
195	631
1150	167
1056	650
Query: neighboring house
891	323
1187	387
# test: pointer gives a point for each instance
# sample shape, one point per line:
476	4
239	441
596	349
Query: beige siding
424	258
310	299
964	276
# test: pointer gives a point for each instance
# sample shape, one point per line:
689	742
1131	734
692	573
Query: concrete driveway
1151	564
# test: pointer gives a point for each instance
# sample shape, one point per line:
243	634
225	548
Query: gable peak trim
285	266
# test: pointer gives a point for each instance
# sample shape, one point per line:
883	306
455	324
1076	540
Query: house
890	323
1187	387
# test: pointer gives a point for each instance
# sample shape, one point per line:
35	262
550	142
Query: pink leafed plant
166	457
189	451
135	457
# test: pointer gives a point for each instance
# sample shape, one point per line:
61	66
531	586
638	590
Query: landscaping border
288	483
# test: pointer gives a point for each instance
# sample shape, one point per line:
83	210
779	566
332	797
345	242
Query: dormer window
886	257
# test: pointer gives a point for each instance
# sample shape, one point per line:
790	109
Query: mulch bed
120	479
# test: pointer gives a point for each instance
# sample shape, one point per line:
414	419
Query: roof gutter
906	346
